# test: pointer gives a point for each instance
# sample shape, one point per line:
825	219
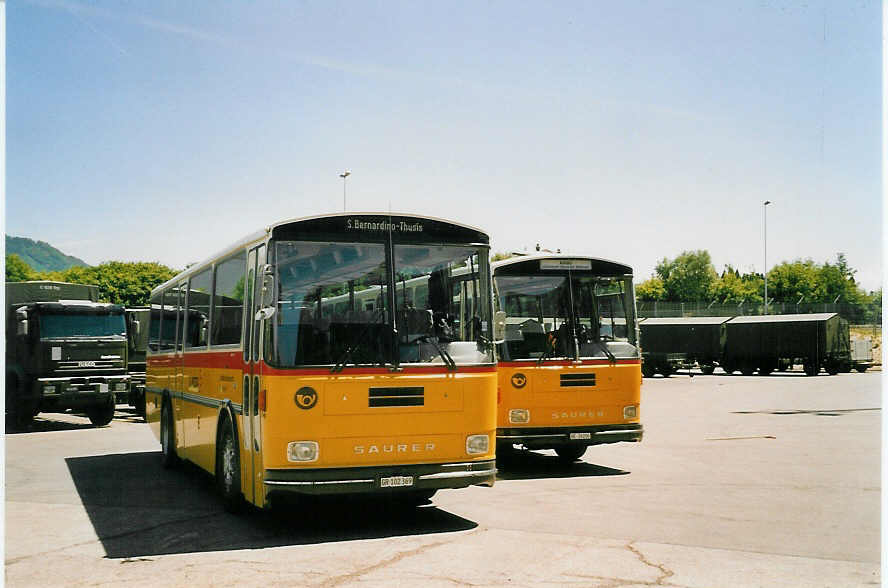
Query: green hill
41	256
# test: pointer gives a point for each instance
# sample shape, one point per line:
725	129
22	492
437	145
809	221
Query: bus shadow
530	465
139	510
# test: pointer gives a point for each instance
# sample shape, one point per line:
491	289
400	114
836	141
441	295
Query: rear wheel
728	367
648	370
747	369
665	369
861	368
707	369
169	458
570	453
811	369
101	415
228	474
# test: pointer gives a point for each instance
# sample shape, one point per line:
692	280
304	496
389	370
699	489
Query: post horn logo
519	380
306	398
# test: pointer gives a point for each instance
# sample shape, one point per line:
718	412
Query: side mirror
499	326
267	285
21	316
264	313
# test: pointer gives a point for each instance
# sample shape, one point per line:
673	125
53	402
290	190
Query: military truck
765	343
668	344
137	335
64	351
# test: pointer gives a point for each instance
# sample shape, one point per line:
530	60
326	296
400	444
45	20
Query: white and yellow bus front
377	370
570	369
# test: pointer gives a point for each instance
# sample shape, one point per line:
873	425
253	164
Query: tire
570	453
648	370
665	369
18	416
728	367
101	415
168	458
747	369
228	472
707	369
811	369
766	369
861	368
832	369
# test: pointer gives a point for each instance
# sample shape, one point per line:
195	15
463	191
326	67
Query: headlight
302	451
120	387
477	444
49	389
519	416
630	412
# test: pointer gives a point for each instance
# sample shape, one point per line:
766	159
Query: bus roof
525	263
259	236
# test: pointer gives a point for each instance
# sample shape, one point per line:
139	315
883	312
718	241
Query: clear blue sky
626	130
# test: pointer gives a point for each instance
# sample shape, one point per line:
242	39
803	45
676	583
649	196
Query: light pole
765	216
344	175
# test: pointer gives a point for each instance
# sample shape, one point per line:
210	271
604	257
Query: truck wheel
861	368
570	453
101	415
665	369
18	416
811	369
228	474
747	369
765	369
832	368
728	367
647	370
707	369
167	437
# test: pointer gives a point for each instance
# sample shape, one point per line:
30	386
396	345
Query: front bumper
77	392
548	437
365	480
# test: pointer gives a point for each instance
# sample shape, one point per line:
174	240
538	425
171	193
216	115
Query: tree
689	277
126	283
732	288
17	270
651	289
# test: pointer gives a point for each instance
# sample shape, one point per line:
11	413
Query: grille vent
409	396
569	380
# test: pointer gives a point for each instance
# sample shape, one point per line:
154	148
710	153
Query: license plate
395	481
578	436
103	388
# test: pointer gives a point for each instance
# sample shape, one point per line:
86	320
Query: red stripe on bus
234	360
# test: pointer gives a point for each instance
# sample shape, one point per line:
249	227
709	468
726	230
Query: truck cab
63	353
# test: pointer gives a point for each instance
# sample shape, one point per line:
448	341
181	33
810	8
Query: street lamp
765	216
344	175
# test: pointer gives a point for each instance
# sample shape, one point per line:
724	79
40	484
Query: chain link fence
855	314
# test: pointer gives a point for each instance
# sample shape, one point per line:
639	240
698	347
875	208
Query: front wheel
101	415
861	368
811	369
707	369
228	474
570	453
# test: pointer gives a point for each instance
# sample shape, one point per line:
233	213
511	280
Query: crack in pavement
666	572
338	580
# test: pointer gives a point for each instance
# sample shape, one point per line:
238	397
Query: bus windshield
62	325
334	306
568	315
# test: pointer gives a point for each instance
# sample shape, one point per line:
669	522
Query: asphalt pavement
739	481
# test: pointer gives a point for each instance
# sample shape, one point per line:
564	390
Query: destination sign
360	224
563	264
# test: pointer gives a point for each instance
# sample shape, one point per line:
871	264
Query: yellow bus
348	353
569	366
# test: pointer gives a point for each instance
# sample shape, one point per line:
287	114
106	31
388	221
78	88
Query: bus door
179	405
252	429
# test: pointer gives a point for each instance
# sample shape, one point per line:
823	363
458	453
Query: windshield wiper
445	357
340	365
